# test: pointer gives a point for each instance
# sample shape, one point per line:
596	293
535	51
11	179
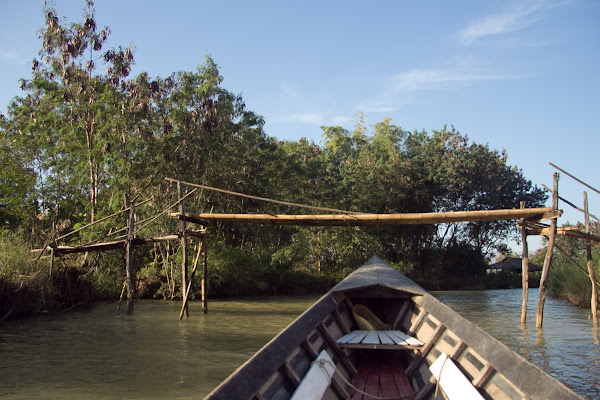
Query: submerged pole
525	271
204	275
548	259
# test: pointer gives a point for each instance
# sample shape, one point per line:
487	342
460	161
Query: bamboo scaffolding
372	219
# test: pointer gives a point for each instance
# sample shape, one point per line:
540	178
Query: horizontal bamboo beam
108	245
368	219
572	233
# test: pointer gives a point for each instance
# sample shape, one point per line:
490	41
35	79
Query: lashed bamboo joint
373	219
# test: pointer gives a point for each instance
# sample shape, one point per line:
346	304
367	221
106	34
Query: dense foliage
86	134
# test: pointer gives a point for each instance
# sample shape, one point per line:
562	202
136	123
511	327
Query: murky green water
153	355
568	347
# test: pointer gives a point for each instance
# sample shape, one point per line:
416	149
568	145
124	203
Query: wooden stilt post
204	275
189	286
525	271
129	253
590	264
51	260
548	259
184	261
52	249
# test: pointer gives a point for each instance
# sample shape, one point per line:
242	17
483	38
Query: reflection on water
153	355
567	348
148	355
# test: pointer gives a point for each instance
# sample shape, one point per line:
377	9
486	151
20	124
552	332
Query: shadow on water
568	347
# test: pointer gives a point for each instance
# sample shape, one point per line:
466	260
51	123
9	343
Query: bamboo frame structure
528	219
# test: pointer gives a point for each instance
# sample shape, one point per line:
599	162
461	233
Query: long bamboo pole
285	203
573	177
372	219
548	259
590	264
525	271
571	204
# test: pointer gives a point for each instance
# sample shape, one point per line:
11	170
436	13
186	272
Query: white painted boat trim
455	385
316	380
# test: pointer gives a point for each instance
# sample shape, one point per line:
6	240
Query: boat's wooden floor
382	377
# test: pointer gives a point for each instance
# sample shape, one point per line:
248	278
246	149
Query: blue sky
518	75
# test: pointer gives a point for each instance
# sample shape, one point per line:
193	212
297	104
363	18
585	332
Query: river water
152	355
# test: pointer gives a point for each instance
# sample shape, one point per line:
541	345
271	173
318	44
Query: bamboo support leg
186	293
204	275
548	259
525	271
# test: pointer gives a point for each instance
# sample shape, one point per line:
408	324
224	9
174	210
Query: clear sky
518	75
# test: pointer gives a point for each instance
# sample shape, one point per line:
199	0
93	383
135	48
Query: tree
17	182
70	110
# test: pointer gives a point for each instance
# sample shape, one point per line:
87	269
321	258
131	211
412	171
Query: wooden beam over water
372	219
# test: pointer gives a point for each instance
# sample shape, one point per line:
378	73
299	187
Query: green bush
25	286
567	281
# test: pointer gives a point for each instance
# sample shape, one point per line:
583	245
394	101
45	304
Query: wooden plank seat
388	340
382	378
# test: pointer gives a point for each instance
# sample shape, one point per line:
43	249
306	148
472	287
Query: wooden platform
388	340
382	378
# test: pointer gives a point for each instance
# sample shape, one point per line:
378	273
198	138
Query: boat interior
398	371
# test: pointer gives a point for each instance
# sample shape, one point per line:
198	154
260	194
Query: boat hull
495	371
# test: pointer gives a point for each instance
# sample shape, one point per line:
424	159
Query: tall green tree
68	114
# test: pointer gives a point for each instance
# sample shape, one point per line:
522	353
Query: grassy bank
29	287
567	281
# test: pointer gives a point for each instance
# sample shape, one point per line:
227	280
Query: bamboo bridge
530	221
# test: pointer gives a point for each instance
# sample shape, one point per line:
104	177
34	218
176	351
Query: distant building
512	264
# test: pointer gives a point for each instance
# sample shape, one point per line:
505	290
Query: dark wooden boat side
516	369
250	377
278	368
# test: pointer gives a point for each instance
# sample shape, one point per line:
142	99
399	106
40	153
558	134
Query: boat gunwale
516	369
273	354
